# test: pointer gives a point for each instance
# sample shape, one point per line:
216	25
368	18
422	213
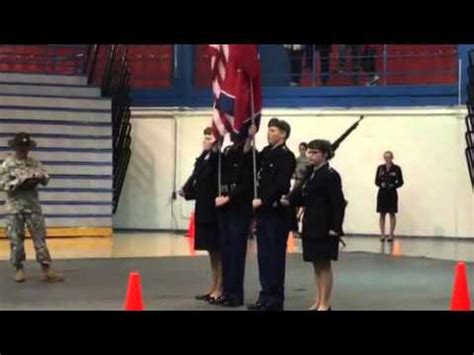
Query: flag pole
219	166
254	152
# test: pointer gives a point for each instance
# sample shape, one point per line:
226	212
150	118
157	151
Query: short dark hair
322	145
388	152
207	131
303	144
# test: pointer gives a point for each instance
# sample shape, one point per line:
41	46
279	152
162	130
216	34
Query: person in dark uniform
276	164
235	214
323	200
388	178
202	187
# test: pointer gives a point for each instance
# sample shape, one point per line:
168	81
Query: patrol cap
323	145
281	124
22	139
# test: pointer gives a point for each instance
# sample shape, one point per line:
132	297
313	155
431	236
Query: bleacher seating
71	123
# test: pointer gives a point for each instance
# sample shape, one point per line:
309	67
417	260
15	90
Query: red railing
48	59
347	65
152	66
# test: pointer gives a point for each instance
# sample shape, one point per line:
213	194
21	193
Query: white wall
428	143
145	199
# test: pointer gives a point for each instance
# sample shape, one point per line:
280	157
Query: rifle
336	144
338	141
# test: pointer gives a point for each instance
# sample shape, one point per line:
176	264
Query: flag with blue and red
236	87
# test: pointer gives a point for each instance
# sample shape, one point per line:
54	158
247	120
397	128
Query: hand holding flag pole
219	144
237	94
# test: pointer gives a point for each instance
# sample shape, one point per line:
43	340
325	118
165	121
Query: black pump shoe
203	297
232	303
217	300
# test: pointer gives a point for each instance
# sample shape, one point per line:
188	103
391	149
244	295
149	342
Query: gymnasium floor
413	274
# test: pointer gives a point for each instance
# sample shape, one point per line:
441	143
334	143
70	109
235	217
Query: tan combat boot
49	275
20	275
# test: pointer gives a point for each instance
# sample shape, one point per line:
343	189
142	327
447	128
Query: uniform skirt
387	201
207	237
320	249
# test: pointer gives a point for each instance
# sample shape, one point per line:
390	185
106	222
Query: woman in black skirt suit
323	200
202	187
388	178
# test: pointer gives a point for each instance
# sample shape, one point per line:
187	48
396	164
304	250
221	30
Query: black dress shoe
273	307
232	303
258	306
203	297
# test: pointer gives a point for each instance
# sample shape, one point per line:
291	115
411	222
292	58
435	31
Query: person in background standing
302	165
324	60
295	55
369	64
324	51
388	178
355	60
23	206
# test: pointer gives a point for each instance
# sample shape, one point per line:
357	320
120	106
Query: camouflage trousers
16	234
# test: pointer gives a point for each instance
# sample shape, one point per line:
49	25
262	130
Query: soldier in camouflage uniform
19	177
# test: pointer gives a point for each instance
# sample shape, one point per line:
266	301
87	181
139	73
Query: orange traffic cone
461	300
397	251
191	227
192	251
290	246
134	300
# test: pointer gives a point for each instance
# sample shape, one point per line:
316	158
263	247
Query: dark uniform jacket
322	197
237	179
202	187
392	177
275	169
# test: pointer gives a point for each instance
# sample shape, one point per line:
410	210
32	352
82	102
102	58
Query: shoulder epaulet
332	170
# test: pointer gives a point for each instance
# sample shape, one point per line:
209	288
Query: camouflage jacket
302	164
13	173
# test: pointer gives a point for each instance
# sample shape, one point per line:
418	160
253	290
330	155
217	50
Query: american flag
235	80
